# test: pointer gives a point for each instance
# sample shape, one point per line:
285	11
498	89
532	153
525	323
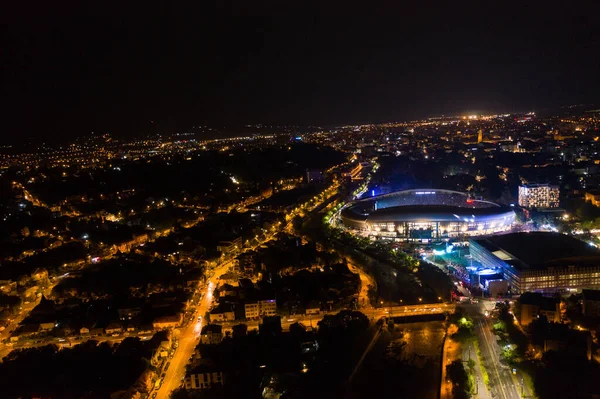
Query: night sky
69	68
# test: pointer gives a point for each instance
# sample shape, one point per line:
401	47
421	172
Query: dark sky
72	68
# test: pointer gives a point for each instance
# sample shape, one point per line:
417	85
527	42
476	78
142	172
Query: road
190	334
502	381
188	338
23	313
481	390
365	281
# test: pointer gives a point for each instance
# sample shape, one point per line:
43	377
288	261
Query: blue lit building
426	214
540	261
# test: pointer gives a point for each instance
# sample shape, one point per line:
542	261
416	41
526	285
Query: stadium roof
540	250
436	213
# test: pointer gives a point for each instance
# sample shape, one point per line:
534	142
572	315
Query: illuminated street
502	380
188	339
188	336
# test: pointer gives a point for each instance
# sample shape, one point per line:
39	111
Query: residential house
313	308
170	321
257	309
223	312
251	310
204	376
26	330
47	325
533	305
228	290
96	332
267	307
561	338
212	334
591	303
8	286
128	313
114	328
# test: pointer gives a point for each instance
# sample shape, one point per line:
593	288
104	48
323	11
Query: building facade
539	196
257	309
533	305
426	214
569	274
222	313
212	334
593	197
204	380
591	303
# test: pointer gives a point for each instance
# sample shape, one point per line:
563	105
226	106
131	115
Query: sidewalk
455	351
481	389
451	352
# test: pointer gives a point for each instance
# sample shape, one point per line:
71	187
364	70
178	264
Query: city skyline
266	200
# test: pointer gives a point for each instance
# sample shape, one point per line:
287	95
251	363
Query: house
313	308
145	329
204	380
128	313
591	303
48	325
15	336
229	278
228	290
229	247
248	263
251	310
204	376
267	307
223	312
533	305
26	330
84	331
96	332
8	286
256	309
170	321
114	328
212	334
561	338
309	346
163	349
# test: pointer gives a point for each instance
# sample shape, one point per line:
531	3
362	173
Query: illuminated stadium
426	214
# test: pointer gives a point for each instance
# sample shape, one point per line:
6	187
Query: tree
465	326
372	294
239	331
462	386
297	223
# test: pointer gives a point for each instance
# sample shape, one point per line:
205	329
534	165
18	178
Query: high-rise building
479	136
539	196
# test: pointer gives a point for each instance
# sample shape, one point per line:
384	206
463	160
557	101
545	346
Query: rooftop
539	250
212	328
534	298
591	295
